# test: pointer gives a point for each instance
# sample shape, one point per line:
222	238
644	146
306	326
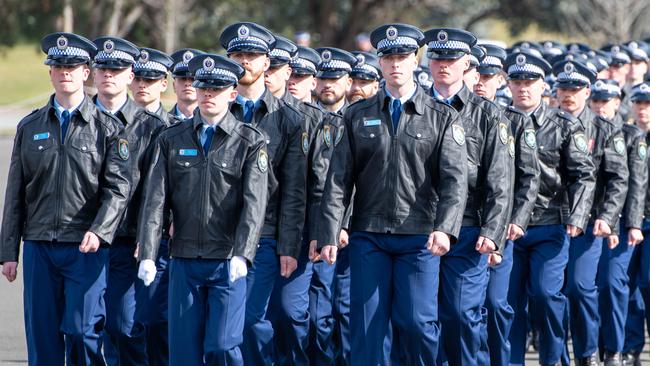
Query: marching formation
303	206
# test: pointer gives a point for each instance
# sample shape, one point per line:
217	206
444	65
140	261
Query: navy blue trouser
539	260
613	292
321	317
258	347
634	323
582	293
126	333
206	313
495	346
393	277
341	309
152	310
639	274
289	313
64	303
462	287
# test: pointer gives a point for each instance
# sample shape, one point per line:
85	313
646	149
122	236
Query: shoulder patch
458	133
642	150
580	141
305	143
123	149
503	133
511	146
327	135
339	135
263	161
529	138
619	145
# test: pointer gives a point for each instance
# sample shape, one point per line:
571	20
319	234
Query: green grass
24	77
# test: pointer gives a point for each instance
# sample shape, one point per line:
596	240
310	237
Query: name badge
371	122
188	152
41	136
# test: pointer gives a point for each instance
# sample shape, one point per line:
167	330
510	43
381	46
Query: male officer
471	75
494	336
113	71
541	254
182	84
638	51
400	150
211	170
302	81
150	71
279	71
333	80
365	77
606	147
612	280
67	189
463	269
249	45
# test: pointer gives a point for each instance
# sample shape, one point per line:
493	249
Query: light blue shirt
104	109
59	110
202	134
403	99
440	98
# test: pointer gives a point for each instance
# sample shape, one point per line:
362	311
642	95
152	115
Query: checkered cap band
149	65
366	68
335	65
115	55
527	68
639	53
621	56
574	76
181	66
68	51
397	42
492	61
276	52
302	63
216	71
473	60
608	88
248	42
449	45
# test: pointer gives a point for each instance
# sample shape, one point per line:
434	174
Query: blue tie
65	116
396	109
249	108
207	134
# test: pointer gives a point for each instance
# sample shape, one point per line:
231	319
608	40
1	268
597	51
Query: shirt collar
227	123
58	109
104	109
404	98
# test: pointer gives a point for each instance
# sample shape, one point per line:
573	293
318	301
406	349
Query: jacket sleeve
338	187
579	169
527	173
293	191
638	180
497	185
115	189
255	198
450	178
614	171
154	199
13	218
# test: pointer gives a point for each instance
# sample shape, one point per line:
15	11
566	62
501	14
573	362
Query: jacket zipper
59	178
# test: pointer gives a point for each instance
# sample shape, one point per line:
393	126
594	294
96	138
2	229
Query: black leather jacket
400	176
57	192
566	169
288	146
218	201
636	147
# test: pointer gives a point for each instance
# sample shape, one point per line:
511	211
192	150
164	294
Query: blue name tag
41	136
372	122
188	152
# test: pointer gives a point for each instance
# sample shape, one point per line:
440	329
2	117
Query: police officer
612	280
113	71
150	71
211	170
333	80
638	272
541	254
638	51
606	147
249	45
471	75
525	173
67	188
399	149
302	81
462	274
365	77
182	84
279	71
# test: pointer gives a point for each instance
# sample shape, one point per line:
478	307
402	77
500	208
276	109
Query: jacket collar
86	108
415	104
227	123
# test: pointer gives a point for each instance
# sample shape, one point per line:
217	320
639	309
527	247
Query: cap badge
361	60
520	60
423	77
644	88
243	31
616	49
569	68
326	56
391	33
62	43
144	57
525	45
109	46
633	45
548	45
599	84
208	64
187	56
569	57
443	36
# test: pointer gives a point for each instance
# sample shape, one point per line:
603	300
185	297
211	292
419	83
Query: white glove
238	268
147	271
